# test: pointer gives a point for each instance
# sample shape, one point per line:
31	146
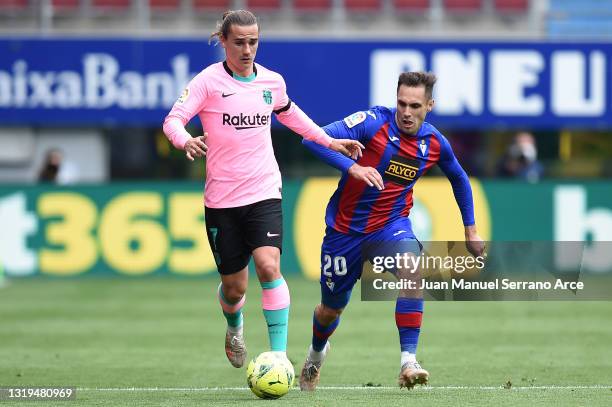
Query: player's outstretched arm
463	195
294	118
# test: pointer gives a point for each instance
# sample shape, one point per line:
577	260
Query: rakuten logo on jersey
242	121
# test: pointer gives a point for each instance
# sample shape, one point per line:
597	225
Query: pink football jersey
236	113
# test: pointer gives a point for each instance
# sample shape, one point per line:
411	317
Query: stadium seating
571	8
562	16
408	6
462	6
586	28
66	8
586	19
211	5
111	5
451	7
363	5
66	4
511	6
264	5
310	6
13	5
164	5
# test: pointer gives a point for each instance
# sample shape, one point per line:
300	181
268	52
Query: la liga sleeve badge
354	119
183	98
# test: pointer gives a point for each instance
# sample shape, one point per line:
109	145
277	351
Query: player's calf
235	349
324	322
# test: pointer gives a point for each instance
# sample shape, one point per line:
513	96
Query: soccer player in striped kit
235	100
371	205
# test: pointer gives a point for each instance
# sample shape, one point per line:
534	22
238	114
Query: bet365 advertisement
140	229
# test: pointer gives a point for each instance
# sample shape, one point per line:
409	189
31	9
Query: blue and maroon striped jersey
401	160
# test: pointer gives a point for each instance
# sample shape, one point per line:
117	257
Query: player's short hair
416	79
242	18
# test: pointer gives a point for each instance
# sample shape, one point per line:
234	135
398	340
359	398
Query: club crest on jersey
330	284
267	96
423	147
183	98
402	170
354	119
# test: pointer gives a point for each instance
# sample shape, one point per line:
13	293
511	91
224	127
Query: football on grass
270	375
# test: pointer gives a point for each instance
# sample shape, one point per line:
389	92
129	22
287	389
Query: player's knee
268	271
327	315
235	291
408	273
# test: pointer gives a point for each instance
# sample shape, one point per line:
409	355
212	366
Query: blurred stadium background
86	260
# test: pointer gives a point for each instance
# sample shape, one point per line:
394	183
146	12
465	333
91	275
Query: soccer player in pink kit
234	100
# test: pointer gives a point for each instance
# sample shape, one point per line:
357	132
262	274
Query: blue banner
102	82
480	84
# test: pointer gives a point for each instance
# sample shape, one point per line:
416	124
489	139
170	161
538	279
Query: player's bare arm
196	147
369	175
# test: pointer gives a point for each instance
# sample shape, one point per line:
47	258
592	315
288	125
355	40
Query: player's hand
350	148
369	175
474	243
196	147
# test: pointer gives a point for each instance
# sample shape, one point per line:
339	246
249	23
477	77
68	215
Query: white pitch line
425	388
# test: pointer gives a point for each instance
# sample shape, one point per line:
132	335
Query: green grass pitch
159	341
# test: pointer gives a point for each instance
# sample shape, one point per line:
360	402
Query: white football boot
309	378
412	374
235	348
